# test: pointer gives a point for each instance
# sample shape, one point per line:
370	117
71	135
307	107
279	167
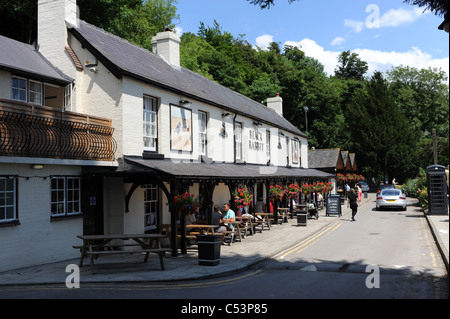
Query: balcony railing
38	131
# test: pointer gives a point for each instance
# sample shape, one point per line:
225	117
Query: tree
380	133
423	96
134	20
19	20
350	66
438	7
265	3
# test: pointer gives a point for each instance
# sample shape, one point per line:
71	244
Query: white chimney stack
276	104
167	45
54	17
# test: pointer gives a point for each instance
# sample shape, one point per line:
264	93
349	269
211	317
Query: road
383	254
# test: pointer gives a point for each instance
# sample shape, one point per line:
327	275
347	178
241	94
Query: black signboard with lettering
334	205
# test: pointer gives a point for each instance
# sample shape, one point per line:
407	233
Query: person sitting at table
229	214
190	219
217	219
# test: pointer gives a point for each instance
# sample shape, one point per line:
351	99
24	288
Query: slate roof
124	58
323	158
345	157
200	170
353	161
23	59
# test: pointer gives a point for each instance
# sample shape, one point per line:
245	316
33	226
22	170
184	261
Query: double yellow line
310	241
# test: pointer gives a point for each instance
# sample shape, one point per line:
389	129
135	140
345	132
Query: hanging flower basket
349	177
307	189
186	203
319	187
243	197
293	190
276	192
328	187
341	177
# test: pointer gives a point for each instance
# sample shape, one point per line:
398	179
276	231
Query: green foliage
19	20
135	20
423	96
350	66
381	120
417	187
381	133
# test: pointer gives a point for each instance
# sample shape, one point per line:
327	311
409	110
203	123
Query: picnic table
95	245
247	224
204	229
237	227
263	219
284	214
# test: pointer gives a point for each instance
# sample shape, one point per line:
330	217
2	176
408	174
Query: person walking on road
353	202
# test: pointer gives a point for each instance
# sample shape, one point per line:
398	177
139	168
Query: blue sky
384	33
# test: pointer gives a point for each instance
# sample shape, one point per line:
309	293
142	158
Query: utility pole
306	117
433	134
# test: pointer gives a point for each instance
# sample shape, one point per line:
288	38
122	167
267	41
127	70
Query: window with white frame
8	210
238	140
150	123
295	151
287	150
19	89
35	92
65	196
68	97
268	146
151	206
202	122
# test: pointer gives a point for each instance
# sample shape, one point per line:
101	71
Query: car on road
364	186
384	186
390	198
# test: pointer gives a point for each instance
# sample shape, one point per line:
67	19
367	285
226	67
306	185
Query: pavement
238	257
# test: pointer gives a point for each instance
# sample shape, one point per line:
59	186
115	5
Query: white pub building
97	135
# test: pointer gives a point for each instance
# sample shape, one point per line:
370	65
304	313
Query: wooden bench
113	247
229	234
159	251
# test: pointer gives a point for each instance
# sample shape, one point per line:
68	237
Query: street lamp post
306	117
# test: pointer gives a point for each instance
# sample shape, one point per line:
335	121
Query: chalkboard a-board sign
334	205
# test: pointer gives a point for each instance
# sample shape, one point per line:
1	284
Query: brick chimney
276	104
167	45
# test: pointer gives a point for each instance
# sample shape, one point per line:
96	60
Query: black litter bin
209	249
302	219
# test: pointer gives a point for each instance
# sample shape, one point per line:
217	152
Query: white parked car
391	198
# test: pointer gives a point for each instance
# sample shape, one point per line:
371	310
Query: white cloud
263	41
328	58
377	60
357	26
179	31
337	41
401	16
392	18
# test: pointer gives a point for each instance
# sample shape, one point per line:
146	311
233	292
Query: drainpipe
234	137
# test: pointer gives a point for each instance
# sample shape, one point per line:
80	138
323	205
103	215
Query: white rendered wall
37	240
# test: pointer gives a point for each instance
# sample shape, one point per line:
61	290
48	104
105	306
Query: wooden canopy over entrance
180	174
